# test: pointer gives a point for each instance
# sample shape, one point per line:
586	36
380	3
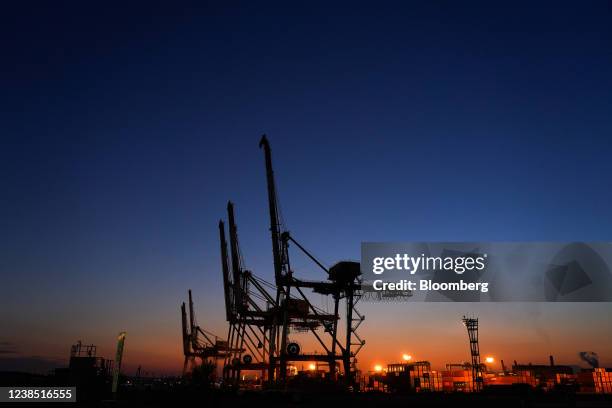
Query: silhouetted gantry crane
249	309
259	333
199	343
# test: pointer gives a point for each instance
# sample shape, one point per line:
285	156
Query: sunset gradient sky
126	129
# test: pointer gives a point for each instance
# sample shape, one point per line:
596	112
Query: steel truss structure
472	328
258	335
198	343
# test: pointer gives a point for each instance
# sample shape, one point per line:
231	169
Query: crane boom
273	209
227	281
235	254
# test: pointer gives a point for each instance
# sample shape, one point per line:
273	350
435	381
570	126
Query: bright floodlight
489	360
378	368
407	357
312	366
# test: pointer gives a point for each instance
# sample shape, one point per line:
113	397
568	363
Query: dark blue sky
126	128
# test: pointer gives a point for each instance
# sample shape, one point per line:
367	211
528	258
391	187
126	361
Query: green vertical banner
118	357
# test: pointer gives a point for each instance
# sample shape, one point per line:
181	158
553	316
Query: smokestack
590	357
552	360
503	366
515	363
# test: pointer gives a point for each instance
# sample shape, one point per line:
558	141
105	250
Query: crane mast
227	281
273	209
282	273
192	325
235	254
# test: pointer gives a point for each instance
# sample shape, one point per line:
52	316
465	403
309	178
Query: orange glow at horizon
440	341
